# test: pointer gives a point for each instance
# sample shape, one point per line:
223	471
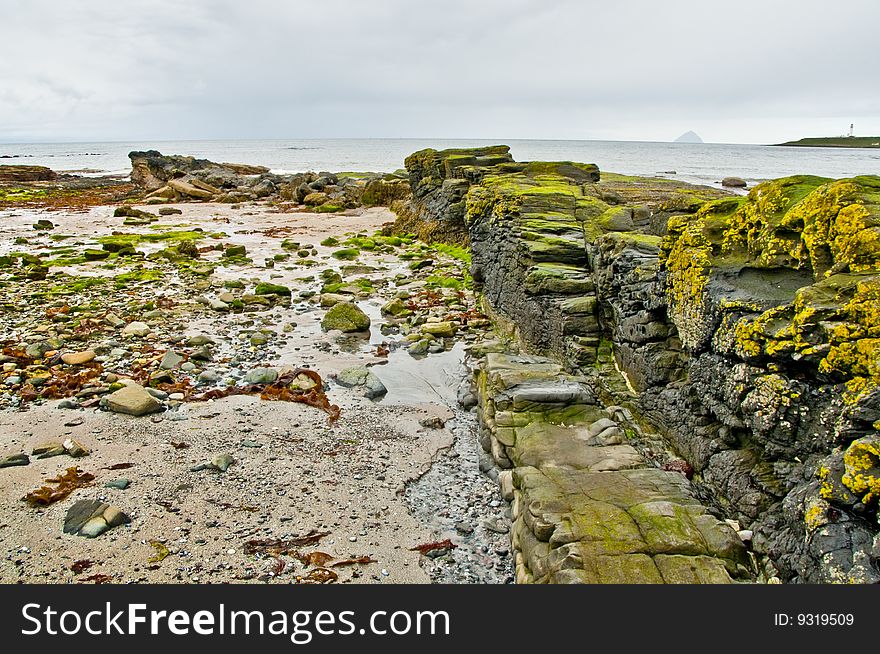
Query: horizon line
497	141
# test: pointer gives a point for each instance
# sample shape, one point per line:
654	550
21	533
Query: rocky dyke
740	331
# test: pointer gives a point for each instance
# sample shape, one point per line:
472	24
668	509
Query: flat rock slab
561	392
14	460
613	527
542	444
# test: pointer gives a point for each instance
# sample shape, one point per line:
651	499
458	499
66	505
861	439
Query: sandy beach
294	473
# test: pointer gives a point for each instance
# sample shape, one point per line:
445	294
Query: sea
699	163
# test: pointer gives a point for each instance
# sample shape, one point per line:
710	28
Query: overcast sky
746	71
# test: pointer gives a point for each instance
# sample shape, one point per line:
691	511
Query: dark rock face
746	328
26	174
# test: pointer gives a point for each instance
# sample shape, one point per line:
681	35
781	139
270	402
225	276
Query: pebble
78	358
136	328
219	463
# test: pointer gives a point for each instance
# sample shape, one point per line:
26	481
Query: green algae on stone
265	288
135	239
346	254
138	275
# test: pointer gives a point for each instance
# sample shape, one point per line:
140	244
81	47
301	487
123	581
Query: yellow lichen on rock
686	254
862	462
855	343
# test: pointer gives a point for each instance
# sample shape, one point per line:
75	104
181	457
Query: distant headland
836	142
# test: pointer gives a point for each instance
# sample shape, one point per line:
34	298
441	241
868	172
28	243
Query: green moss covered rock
346	317
265	288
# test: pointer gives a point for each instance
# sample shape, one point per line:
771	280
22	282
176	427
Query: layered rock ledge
587	507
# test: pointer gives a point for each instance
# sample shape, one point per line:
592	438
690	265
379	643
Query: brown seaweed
278	390
353	561
67	482
319	576
82	564
278	546
436	545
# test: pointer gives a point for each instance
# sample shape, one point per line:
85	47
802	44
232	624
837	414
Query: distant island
689	137
837	142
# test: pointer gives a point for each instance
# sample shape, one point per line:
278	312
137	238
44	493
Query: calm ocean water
698	163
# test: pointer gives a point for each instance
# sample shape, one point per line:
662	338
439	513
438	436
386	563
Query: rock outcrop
152	170
26	174
175	178
440	181
744	328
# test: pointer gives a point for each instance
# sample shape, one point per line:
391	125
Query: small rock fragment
14	460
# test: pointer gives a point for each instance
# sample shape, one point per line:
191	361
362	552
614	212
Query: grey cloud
746	71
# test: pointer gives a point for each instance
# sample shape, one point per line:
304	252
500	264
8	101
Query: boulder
265	288
345	317
733	182
264	188
360	376
95	255
328	300
234	251
315	199
131	212
396	308
133	400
